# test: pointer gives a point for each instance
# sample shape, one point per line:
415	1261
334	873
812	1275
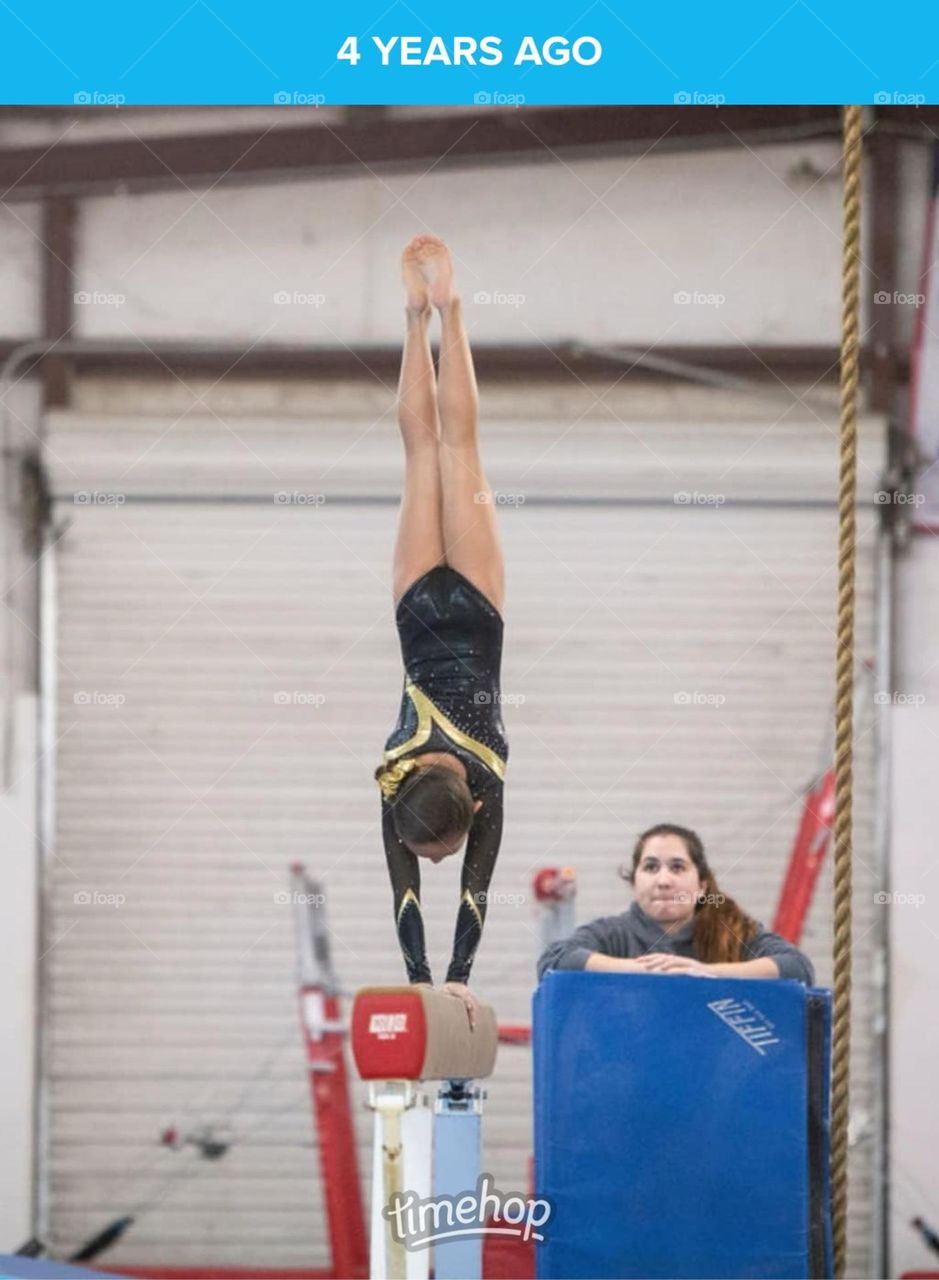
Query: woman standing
679	922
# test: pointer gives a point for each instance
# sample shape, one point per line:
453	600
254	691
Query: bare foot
433	262
415	286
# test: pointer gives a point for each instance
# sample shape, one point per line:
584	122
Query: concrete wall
21	769
19	934
913	907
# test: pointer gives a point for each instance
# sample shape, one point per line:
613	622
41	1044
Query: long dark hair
721	927
433	803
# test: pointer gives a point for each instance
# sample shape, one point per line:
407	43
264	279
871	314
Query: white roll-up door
227	672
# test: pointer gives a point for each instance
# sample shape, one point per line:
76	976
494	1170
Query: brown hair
721	927
433	803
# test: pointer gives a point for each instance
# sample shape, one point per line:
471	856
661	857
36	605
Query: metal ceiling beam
568	362
292	150
58	289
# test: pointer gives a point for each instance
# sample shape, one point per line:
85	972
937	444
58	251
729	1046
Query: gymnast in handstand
443	767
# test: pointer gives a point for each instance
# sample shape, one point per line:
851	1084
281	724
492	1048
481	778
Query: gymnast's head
673	884
433	811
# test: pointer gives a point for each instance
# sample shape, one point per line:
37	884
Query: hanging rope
844	681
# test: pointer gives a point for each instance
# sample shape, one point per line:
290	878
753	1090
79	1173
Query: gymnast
678	922
443	768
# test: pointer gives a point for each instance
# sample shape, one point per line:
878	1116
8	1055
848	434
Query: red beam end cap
414	1033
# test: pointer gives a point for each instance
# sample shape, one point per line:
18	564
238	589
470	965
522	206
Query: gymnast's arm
482	849
406	885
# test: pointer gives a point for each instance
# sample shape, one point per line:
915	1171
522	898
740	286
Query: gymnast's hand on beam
664	962
470	1003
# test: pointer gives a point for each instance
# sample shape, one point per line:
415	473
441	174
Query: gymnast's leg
419	545
470	536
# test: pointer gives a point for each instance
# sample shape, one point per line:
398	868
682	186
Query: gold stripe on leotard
409	896
427	715
468	899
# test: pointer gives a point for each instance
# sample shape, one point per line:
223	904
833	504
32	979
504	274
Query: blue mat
681	1127
13	1267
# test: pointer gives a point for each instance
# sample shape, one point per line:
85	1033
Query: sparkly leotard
451	644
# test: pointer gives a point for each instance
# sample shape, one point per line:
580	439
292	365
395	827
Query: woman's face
666	881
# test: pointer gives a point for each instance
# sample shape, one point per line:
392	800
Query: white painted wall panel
19	928
914	928
20	262
913	917
209	263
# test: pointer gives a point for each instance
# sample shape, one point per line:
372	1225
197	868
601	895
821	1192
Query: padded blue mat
681	1126
14	1267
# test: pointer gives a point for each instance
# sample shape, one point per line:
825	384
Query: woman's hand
653	961
664	962
462	992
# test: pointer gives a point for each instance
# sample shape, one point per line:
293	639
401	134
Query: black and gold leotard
451	644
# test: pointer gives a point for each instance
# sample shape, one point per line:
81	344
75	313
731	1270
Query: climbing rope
844	680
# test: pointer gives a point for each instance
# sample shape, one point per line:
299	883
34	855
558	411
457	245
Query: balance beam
401	1036
414	1033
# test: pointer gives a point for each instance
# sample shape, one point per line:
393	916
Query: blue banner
300	54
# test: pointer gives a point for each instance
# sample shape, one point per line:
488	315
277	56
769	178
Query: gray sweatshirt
633	933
